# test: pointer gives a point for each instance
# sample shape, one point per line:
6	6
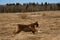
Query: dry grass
49	25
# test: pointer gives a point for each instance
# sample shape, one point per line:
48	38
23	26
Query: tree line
29	7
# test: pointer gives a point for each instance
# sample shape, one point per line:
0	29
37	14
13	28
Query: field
49	25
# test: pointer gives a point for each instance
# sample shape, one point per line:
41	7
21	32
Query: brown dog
27	28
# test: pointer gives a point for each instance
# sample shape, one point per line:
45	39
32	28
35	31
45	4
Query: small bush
24	16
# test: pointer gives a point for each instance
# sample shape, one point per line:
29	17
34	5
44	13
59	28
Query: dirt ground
49	25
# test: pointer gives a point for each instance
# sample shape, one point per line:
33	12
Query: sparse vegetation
50	27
